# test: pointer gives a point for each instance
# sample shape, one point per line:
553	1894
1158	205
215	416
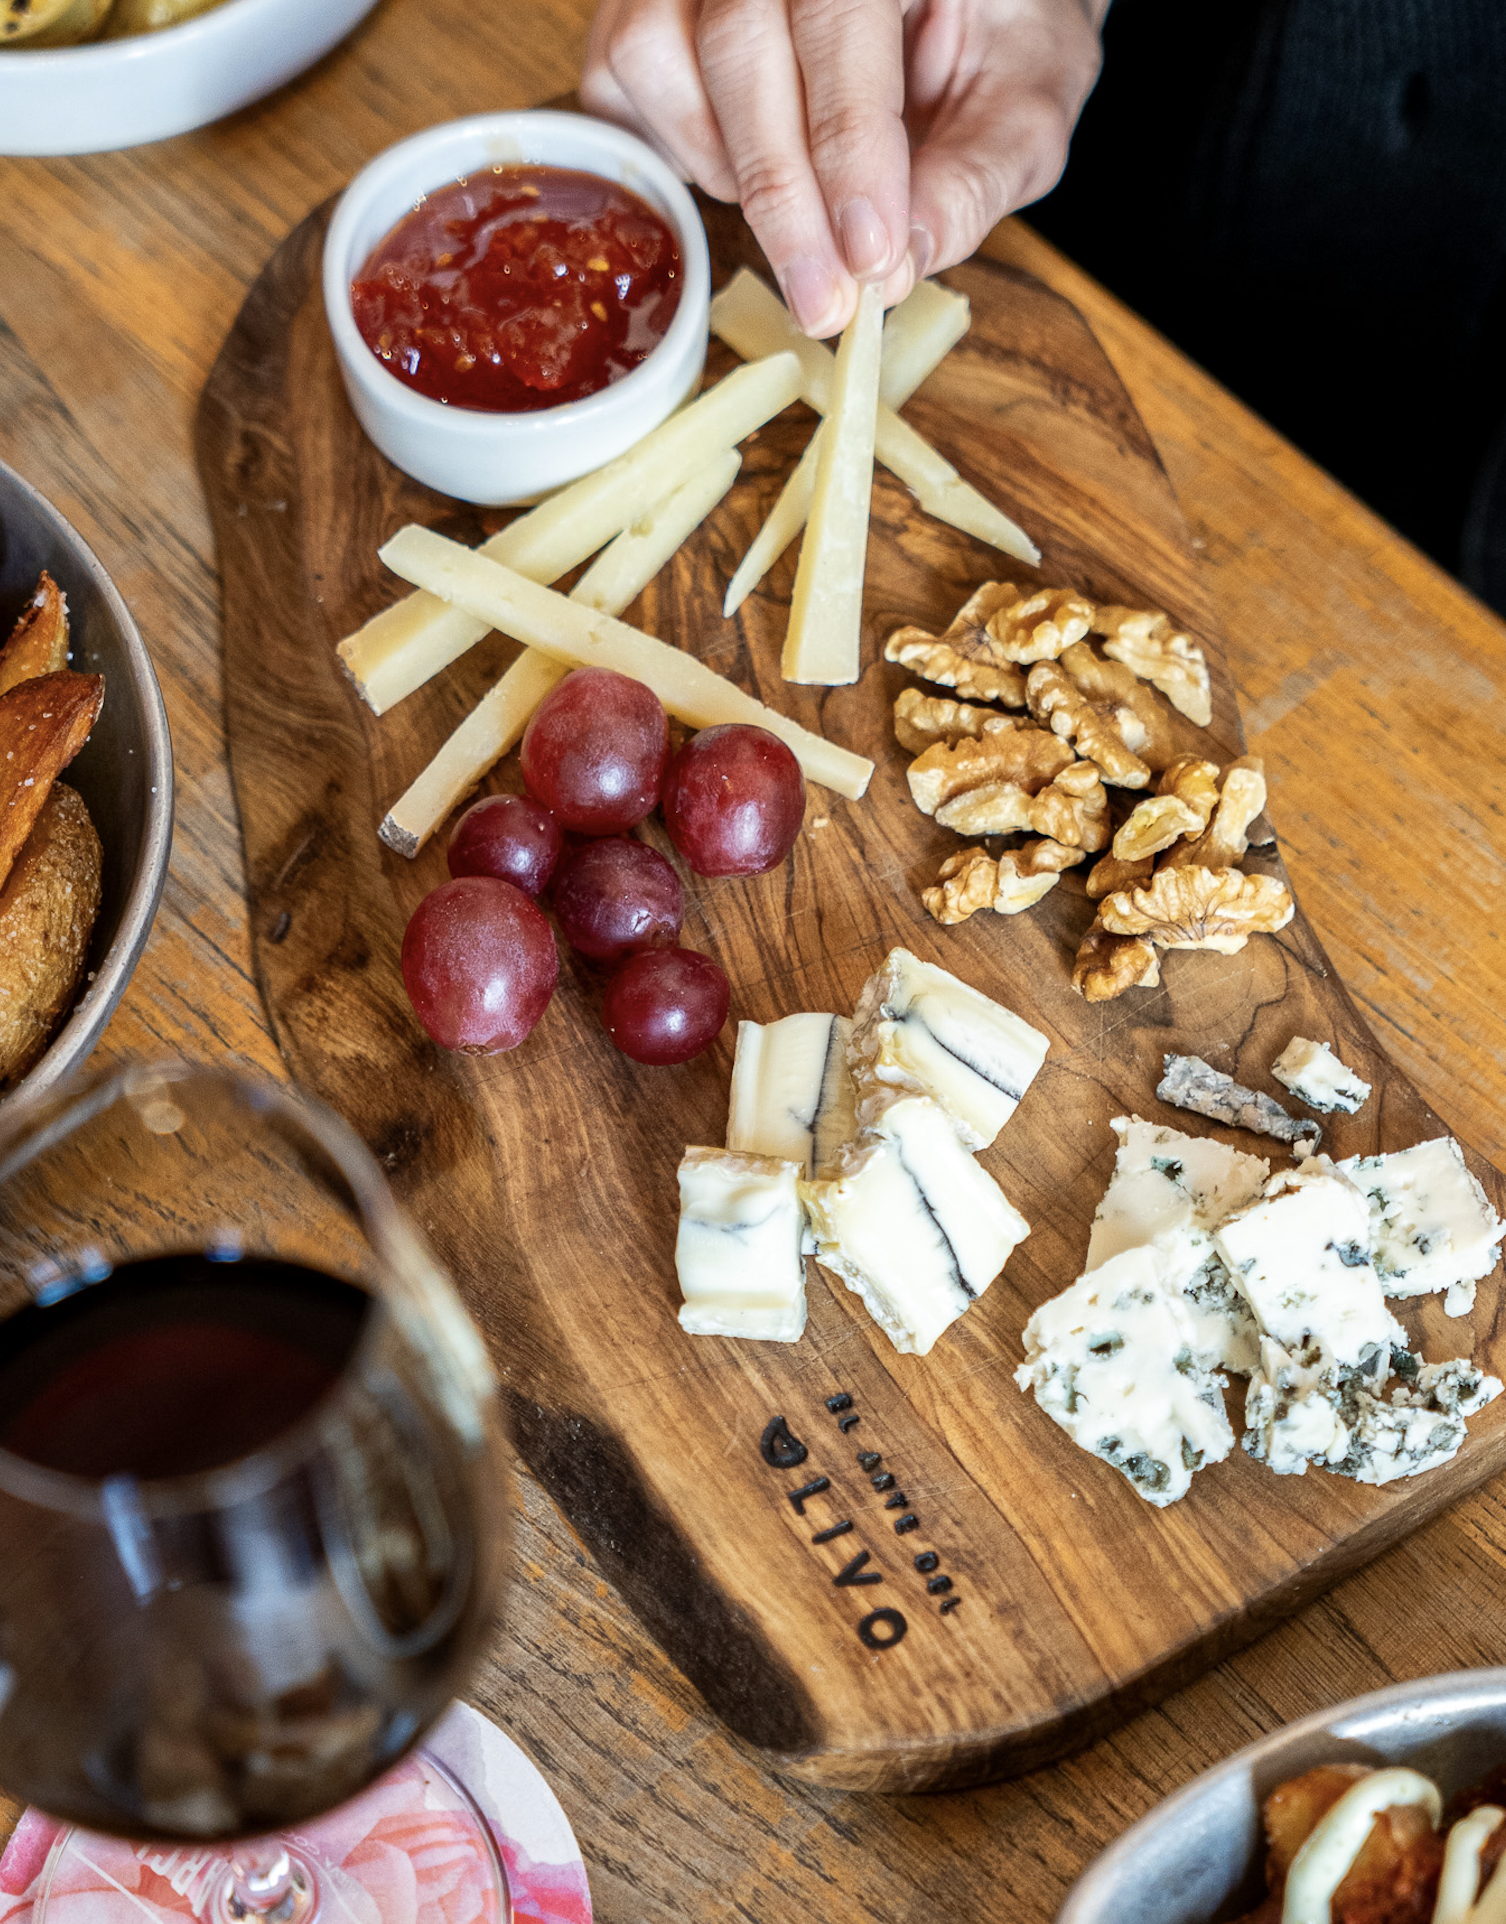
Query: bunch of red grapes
479	960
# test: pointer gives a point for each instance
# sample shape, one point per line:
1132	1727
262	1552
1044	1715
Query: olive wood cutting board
546	1177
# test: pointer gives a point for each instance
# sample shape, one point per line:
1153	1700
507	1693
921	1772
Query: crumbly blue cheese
1191	1083
791	1092
910	1221
1292	1415
1300	1255
1315	1075
918	1027
1112	1361
1431	1223
1418	1428
1168	1192
738	1250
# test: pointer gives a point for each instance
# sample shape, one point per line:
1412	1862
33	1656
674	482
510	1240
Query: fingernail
865	239
921	249
810	292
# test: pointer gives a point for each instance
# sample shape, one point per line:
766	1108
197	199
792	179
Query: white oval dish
120	93
492	458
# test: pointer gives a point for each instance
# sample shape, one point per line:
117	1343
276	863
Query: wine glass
252	1487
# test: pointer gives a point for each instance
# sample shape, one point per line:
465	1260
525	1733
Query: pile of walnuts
1169	876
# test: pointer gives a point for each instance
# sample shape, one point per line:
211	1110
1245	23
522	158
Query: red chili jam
518	289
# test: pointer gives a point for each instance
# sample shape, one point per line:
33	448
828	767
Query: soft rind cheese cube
1431	1223
792	1095
738	1250
918	1027
1315	1075
1168	1192
1111	1360
911	1222
1300	1255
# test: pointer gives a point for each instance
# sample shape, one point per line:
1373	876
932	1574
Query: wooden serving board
546	1177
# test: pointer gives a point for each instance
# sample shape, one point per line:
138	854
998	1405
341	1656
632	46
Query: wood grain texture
678	1820
546	1177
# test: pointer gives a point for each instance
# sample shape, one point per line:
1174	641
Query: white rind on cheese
1431	1223
1300	1255
1111	1360
738	1249
1315	1075
791	1091
918	1027
911	1222
1169	1192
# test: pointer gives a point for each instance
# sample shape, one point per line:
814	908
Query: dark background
1309	197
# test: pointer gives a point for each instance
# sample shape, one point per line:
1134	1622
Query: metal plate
1196	1858
124	772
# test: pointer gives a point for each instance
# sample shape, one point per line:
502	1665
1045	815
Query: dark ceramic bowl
1196	1858
124	772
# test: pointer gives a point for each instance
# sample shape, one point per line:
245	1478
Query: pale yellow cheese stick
823	640
617	577
919	334
579	636
752	320
404	646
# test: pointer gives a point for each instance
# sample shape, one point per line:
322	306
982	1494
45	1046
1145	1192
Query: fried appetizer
38	643
43	724
47	911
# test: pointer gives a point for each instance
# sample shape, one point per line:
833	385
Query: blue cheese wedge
1419	1427
1111	1360
910	1221
1315	1075
1168	1192
1292	1415
917	1027
792	1095
1431	1223
738	1251
1300	1256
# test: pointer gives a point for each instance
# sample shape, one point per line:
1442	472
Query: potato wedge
151	16
21	19
38	643
43	725
47	911
78	22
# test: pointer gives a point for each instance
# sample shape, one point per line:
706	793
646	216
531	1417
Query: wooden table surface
1371	683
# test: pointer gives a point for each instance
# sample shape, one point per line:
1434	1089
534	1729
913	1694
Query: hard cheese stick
560	627
617	577
753	321
918	334
407	644
823	640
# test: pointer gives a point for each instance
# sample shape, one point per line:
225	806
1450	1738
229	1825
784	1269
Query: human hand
867	140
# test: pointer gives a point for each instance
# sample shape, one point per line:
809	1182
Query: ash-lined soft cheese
1300	1255
791	1093
911	1222
738	1251
1111	1360
1315	1075
1168	1192
1431	1223
918	1027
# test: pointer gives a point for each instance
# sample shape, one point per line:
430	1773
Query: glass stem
268	1883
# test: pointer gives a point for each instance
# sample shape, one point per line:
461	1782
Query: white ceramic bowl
119	93
498	459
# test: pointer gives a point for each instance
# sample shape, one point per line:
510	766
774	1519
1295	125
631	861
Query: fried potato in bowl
47	911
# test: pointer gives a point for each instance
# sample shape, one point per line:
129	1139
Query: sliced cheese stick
823	641
919	333
582	638
617	577
753	321
407	644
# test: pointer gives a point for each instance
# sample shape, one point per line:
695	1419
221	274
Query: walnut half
1015	880
1151	648
1109	964
1200	908
1025	756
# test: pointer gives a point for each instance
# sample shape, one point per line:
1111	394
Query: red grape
512	837
479	964
666	1005
734	799
616	896
595	750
